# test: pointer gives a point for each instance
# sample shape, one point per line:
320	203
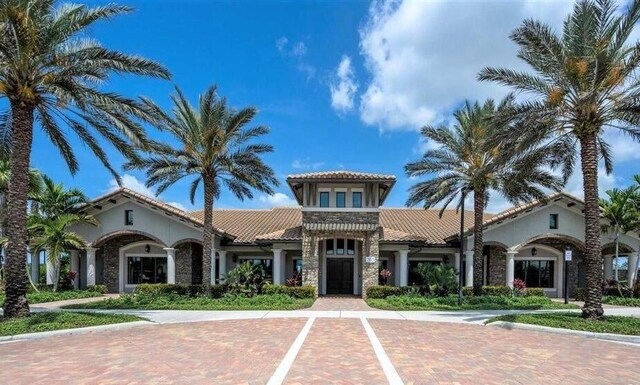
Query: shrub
158	289
534	292
291	291
246	279
98	289
66	281
379	292
579	294
504	291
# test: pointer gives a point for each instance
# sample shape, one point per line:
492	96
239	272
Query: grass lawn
49	296
175	302
42	322
469	303
574	321
620	301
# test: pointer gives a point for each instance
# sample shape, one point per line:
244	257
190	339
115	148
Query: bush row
378	292
218	291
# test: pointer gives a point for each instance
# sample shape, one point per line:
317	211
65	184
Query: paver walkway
337	303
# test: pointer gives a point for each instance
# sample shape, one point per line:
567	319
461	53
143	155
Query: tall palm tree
619	211
583	84
467	158
53	75
53	236
214	146
54	199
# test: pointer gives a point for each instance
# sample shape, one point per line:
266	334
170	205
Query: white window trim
327	190
344	190
125	276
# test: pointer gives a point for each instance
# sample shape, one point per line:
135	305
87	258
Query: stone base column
370	269
310	260
510	267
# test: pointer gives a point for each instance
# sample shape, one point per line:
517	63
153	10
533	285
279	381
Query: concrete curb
75	331
600	336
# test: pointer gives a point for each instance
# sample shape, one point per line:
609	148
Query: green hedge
291	291
380	292
102	289
503	291
181	290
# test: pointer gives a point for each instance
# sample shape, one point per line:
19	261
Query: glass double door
339	275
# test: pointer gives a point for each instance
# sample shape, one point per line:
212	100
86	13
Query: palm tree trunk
478	210
22	136
593	255
208	230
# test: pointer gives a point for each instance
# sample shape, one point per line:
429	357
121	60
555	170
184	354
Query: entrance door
339	275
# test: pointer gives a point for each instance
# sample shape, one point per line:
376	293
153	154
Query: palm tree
619	212
53	236
52	74
213	145
468	159
583	84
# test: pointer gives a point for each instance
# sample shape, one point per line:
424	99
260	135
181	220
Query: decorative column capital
222	253
169	250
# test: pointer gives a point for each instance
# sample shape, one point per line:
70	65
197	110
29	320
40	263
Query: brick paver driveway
335	350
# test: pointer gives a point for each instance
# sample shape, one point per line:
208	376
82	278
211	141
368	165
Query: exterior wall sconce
147	248
534	252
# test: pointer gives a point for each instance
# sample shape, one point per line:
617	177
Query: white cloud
344	87
278	200
297	51
132	183
306	164
424	56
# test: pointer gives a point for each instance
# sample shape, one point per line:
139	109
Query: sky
341	84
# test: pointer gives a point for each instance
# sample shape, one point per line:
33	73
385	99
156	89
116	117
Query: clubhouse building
337	239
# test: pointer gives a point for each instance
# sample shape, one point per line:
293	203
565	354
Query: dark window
357	200
553	221
351	246
340	246
128	217
341	198
414	277
329	247
382	265
297	271
146	270
324	199
265	265
535	273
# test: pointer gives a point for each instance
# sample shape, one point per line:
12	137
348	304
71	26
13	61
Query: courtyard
338	341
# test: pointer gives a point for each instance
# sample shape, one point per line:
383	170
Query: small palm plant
212	145
53	236
619	212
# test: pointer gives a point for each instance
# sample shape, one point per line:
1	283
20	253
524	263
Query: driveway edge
547	329
75	331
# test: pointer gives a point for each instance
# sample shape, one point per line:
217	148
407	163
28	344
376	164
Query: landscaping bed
488	302
50	296
621	301
42	322
574	321
178	302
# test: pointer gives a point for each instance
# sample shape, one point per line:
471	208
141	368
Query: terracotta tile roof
425	225
290	234
341	175
247	225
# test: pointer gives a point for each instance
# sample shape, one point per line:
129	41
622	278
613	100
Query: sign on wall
568	255
370	259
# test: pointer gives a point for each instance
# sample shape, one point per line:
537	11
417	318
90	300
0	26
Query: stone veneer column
310	260
75	266
91	266
404	267
631	269
222	255
370	269
171	265
510	267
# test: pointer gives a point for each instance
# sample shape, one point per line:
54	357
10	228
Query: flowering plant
519	287
385	274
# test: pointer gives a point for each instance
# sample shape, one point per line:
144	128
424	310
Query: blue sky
341	84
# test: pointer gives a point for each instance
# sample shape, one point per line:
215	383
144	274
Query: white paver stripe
392	375
278	376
